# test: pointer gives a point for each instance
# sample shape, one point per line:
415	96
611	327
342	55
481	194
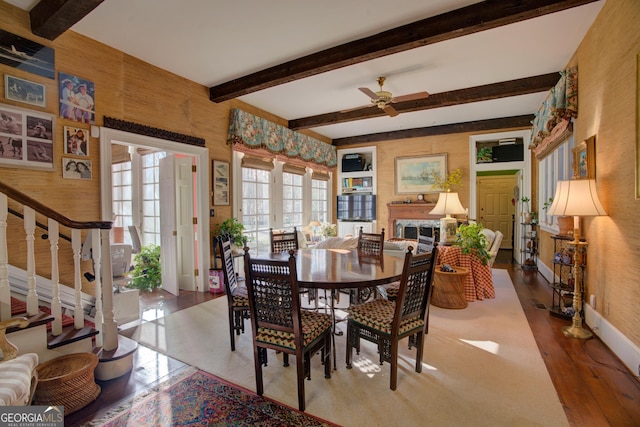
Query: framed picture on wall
21	90
76	141
26	138
220	183
416	174
584	159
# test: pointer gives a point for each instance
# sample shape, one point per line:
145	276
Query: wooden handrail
20	197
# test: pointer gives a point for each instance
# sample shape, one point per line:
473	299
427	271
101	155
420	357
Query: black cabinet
529	250
564	275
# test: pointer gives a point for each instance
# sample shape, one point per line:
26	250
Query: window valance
552	124
255	133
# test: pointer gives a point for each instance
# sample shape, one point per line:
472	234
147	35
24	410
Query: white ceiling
212	42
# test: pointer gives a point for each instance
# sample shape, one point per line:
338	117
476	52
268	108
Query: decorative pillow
399	245
338	243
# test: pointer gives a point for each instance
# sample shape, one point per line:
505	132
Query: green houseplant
233	228
471	240
147	270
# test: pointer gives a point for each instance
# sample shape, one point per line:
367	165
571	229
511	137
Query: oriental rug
481	367
196	398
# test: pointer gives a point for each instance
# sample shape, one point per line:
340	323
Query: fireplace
406	220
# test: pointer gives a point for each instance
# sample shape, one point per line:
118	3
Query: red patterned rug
197	398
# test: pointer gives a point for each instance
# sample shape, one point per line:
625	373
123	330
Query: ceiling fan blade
410	97
371	94
391	112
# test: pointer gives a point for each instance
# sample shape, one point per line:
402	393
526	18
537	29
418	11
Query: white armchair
18	375
495	247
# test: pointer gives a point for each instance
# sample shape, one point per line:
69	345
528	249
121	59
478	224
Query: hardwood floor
595	388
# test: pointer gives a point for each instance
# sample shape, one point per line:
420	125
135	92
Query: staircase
46	302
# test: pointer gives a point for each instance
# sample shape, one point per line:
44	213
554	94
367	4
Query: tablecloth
479	282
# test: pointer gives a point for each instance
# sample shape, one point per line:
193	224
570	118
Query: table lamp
576	198
314	227
448	204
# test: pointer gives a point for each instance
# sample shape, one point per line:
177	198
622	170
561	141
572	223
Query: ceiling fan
383	99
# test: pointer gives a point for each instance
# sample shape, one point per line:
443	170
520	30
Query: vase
527	217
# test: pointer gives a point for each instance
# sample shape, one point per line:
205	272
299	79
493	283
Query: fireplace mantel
415	211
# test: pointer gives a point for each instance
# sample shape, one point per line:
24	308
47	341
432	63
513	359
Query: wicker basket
68	381
448	288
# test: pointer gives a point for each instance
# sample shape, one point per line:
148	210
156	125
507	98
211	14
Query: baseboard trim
627	352
620	345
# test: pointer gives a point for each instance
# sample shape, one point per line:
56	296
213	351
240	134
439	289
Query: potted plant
472	241
233	228
147	270
484	155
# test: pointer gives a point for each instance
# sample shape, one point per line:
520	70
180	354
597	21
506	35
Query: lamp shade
448	203
314	223
576	197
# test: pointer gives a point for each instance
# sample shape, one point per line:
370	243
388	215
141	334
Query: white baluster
30	229
76	246
110	327
56	306
96	250
5	290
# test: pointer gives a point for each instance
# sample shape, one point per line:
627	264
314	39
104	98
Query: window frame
554	167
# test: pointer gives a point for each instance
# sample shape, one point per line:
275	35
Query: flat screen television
357	207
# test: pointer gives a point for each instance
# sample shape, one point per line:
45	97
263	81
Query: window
320	200
256	210
553	168
278	195
126	183
291	200
121	194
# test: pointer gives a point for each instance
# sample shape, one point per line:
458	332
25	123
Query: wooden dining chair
369	245
237	299
278	322
425	245
285	241
385	322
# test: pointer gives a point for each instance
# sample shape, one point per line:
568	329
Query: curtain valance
255	133
552	123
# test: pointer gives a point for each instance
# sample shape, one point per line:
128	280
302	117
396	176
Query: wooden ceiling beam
50	18
473	126
524	86
460	22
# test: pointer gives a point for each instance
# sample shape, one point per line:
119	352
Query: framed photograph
77	99
26	138
26	55
584	159
76	141
220	183
415	174
20	90
76	169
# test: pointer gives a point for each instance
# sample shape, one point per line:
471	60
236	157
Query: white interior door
184	223
168	234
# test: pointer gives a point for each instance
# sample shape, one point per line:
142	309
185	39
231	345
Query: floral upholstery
378	315
313	325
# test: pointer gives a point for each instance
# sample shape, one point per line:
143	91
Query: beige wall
608	92
129	89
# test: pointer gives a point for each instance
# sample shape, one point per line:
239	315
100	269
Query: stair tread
70	335
126	346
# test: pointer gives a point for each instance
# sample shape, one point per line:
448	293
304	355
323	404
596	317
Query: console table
412	211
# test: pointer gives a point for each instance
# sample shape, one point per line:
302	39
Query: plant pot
565	223
528	217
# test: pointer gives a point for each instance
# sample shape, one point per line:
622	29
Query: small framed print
220	183
76	141
76	169
21	90
584	159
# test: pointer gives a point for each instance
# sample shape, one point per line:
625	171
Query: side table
448	288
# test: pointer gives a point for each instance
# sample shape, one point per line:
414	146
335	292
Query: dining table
336	269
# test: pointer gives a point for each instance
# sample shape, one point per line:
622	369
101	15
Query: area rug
481	367
196	398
